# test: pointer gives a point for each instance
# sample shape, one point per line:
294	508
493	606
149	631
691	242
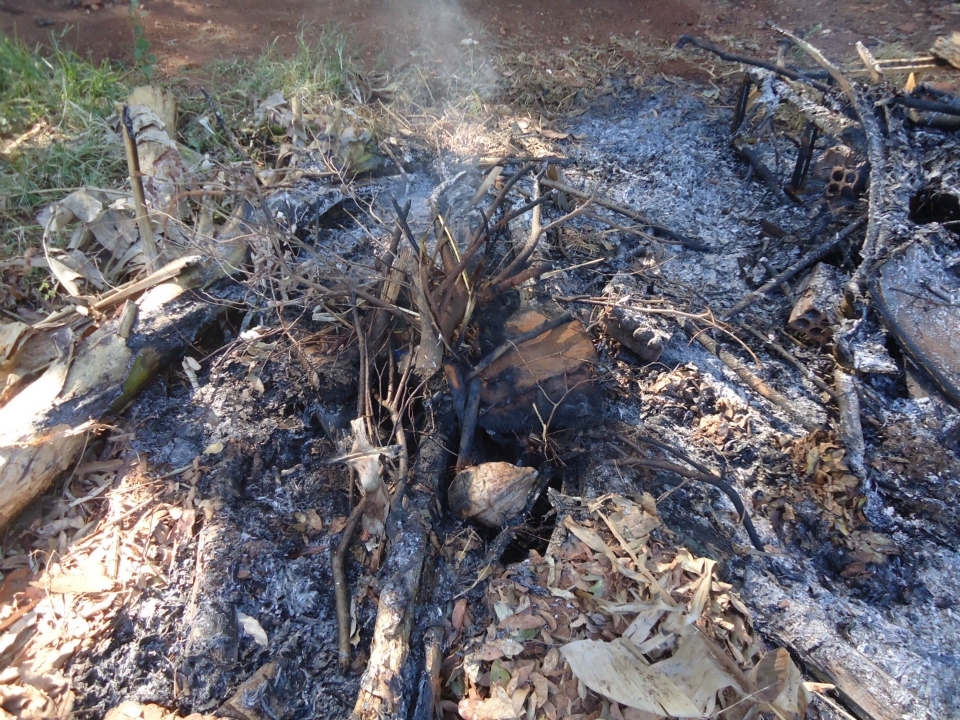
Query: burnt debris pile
653	417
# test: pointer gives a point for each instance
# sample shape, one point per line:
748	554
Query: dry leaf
256	384
313	520
93	579
770	674
522	622
497	707
459	612
336	525
684	685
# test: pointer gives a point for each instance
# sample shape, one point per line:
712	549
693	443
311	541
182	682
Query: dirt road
189	33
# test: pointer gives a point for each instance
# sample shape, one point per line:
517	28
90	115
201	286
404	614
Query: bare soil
186	34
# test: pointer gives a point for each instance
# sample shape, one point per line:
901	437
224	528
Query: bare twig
708	478
762	170
732	57
536	232
755	383
340	582
661	231
808	259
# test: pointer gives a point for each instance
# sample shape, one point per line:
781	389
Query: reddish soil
190	33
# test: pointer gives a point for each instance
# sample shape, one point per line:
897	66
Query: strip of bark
101	374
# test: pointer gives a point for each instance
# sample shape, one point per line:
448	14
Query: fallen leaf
770	674
684	685
213	448
336	525
313	520
459	612
497	707
522	622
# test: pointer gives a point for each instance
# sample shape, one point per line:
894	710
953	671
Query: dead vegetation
409	348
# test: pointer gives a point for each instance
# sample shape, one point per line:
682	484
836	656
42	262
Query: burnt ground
876	564
186	35
270	509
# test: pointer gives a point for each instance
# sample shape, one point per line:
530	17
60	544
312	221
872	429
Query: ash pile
652	417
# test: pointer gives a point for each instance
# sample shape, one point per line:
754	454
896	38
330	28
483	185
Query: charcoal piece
644	335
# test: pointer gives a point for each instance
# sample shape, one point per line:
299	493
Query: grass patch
53	110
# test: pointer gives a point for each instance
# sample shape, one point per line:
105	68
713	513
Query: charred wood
386	689
756	62
811	256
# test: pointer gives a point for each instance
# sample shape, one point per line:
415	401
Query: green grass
64	101
68	100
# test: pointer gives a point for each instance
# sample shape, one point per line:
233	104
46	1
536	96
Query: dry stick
784	286
523	209
808	259
662	231
763	171
139	200
532	238
782	352
390	285
446	287
732	57
223	124
755	383
708	478
340	582
364	405
531	245
395	406
491	291
917	104
402	222
428	697
875	154
520	339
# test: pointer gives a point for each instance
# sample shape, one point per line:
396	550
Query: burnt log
543	382
387	688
